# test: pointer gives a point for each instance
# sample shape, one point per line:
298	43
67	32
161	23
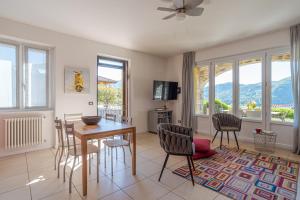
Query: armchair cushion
202	145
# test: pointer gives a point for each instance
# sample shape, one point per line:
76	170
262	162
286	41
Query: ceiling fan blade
169	16
194	11
193	4
179	3
166	9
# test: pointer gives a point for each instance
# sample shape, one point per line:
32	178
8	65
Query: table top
104	126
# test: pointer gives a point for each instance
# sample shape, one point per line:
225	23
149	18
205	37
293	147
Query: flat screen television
164	90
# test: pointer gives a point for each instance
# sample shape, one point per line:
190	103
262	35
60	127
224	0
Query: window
35	78
201	89
223	87
8	75
282	106
250	86
23	83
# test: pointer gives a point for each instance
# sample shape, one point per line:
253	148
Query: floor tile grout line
28	175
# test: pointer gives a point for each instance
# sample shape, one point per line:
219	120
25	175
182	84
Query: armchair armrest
216	123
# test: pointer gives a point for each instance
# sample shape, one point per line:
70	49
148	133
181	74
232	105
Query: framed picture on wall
77	80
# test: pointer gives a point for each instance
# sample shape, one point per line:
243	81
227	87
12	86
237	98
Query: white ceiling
137	25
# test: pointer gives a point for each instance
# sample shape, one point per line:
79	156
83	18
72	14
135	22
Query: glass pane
8	76
36	78
282	104
201	89
250	80
110	91
223	87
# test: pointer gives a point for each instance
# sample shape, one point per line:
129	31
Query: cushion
202	145
199	155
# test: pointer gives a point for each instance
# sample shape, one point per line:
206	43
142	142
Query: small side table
265	140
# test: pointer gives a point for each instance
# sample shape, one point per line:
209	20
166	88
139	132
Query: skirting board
250	140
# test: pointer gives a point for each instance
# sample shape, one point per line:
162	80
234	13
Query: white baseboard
250	140
17	151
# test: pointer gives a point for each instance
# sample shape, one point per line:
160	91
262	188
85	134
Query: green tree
107	95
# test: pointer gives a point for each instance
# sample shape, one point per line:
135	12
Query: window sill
282	123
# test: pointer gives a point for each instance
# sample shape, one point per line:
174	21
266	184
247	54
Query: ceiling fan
181	8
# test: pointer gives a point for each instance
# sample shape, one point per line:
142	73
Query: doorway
112	87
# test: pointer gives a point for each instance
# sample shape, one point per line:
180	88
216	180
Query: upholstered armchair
226	122
176	140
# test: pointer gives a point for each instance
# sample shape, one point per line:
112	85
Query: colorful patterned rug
243	174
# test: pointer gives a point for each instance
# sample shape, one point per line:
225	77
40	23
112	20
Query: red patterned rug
243	174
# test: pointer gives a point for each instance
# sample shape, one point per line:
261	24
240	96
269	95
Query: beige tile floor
32	176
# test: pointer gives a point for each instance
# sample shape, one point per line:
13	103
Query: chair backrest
111	117
126	120
69	130
176	140
72	117
225	119
59	131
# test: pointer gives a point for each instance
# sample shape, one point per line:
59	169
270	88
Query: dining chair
75	151
61	145
72	117
111	117
118	142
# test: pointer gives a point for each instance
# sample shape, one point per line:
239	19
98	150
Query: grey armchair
226	122
176	140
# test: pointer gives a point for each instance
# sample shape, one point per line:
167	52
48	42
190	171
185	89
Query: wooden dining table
103	129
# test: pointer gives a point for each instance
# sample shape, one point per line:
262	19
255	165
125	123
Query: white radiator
22	132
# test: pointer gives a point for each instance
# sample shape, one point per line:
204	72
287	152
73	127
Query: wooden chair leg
215	136
227	138
164	165
191	172
98	162
237	143
221	141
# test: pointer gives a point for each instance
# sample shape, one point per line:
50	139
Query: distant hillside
251	92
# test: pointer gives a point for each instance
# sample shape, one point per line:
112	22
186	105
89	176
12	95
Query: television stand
156	117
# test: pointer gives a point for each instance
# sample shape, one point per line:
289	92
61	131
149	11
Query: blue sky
251	74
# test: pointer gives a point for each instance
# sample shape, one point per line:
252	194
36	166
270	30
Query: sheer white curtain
295	72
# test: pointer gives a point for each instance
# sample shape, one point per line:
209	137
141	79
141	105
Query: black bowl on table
91	120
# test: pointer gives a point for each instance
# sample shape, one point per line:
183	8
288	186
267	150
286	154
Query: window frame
258	54
266	56
26	50
21	61
204	64
216	62
17	46
270	53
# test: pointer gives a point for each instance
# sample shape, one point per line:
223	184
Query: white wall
271	40
77	52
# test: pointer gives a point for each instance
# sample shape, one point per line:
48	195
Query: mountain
252	92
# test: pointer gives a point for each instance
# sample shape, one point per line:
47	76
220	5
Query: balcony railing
102	111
